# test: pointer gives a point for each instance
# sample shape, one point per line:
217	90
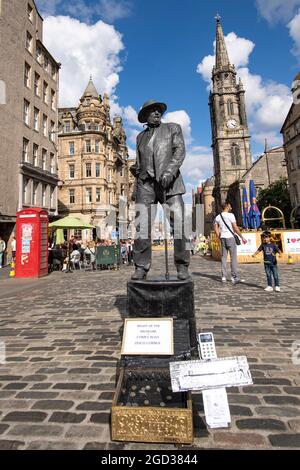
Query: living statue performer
160	152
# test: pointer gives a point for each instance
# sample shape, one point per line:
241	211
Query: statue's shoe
139	274
183	273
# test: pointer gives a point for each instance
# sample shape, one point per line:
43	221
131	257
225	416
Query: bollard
290	259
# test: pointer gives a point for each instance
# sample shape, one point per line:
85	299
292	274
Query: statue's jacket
168	148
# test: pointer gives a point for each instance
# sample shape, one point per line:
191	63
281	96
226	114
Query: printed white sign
292	242
204	375
250	247
151	336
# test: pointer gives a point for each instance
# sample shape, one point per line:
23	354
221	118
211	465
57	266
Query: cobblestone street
62	337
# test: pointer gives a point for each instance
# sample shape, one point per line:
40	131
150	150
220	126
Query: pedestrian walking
2	251
270	261
228	232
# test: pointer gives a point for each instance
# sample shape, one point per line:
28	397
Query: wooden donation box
144	408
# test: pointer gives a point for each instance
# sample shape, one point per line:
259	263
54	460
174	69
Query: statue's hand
166	179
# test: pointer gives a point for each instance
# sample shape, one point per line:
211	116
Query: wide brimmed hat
142	116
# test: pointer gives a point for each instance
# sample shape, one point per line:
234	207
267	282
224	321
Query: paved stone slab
63	346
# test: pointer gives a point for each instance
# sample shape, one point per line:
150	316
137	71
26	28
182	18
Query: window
27	73
72	196
52	99
88	170
44	159
52	131
38	54
44	190
36	117
98	170
25	150
45	124
98	194
110	197
97	126
28	41
122	190
26	191
298	155
71	148
30	12
26	112
52	192
235	155
37	84
88	195
109	179
53	71
230	109
122	171
97	146
45	91
35	152
52	163
67	126
72	171
88	148
46	63
35	193
88	126
296	195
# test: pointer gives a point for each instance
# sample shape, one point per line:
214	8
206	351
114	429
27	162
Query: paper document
216	408
215	373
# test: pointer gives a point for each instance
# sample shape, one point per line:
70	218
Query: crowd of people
77	254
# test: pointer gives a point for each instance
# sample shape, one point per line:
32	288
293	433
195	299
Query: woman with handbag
229	234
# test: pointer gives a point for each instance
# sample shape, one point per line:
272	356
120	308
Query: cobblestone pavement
62	343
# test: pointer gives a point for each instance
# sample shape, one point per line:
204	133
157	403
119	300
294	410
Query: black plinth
158	297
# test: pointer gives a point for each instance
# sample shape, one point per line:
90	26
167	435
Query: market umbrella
68	223
254	212
245	209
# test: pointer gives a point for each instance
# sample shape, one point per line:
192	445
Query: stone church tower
230	133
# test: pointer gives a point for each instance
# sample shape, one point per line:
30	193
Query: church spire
222	59
90	90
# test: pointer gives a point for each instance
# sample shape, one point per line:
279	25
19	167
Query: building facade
29	78
230	133
267	169
291	138
93	164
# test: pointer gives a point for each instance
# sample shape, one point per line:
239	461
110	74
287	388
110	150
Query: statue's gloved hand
166	179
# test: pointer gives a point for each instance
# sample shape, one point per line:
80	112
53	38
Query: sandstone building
291	138
29	79
93	164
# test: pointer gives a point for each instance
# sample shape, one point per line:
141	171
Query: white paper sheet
217	413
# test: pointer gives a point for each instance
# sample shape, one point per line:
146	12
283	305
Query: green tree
277	194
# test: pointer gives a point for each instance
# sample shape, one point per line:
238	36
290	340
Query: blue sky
161	49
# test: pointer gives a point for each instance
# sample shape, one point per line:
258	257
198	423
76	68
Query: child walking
270	250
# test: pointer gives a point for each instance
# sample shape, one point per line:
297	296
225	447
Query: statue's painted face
154	116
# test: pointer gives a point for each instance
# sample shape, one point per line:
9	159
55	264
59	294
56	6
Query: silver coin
148	387
168	397
146	402
158	389
133	387
162	403
132	394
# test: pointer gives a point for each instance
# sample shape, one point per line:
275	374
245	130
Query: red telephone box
32	243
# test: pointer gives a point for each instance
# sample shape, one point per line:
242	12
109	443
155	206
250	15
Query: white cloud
108	10
273	139
277	10
197	166
131	116
182	118
267	102
294	30
83	50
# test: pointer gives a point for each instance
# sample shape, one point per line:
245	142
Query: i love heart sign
292	242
